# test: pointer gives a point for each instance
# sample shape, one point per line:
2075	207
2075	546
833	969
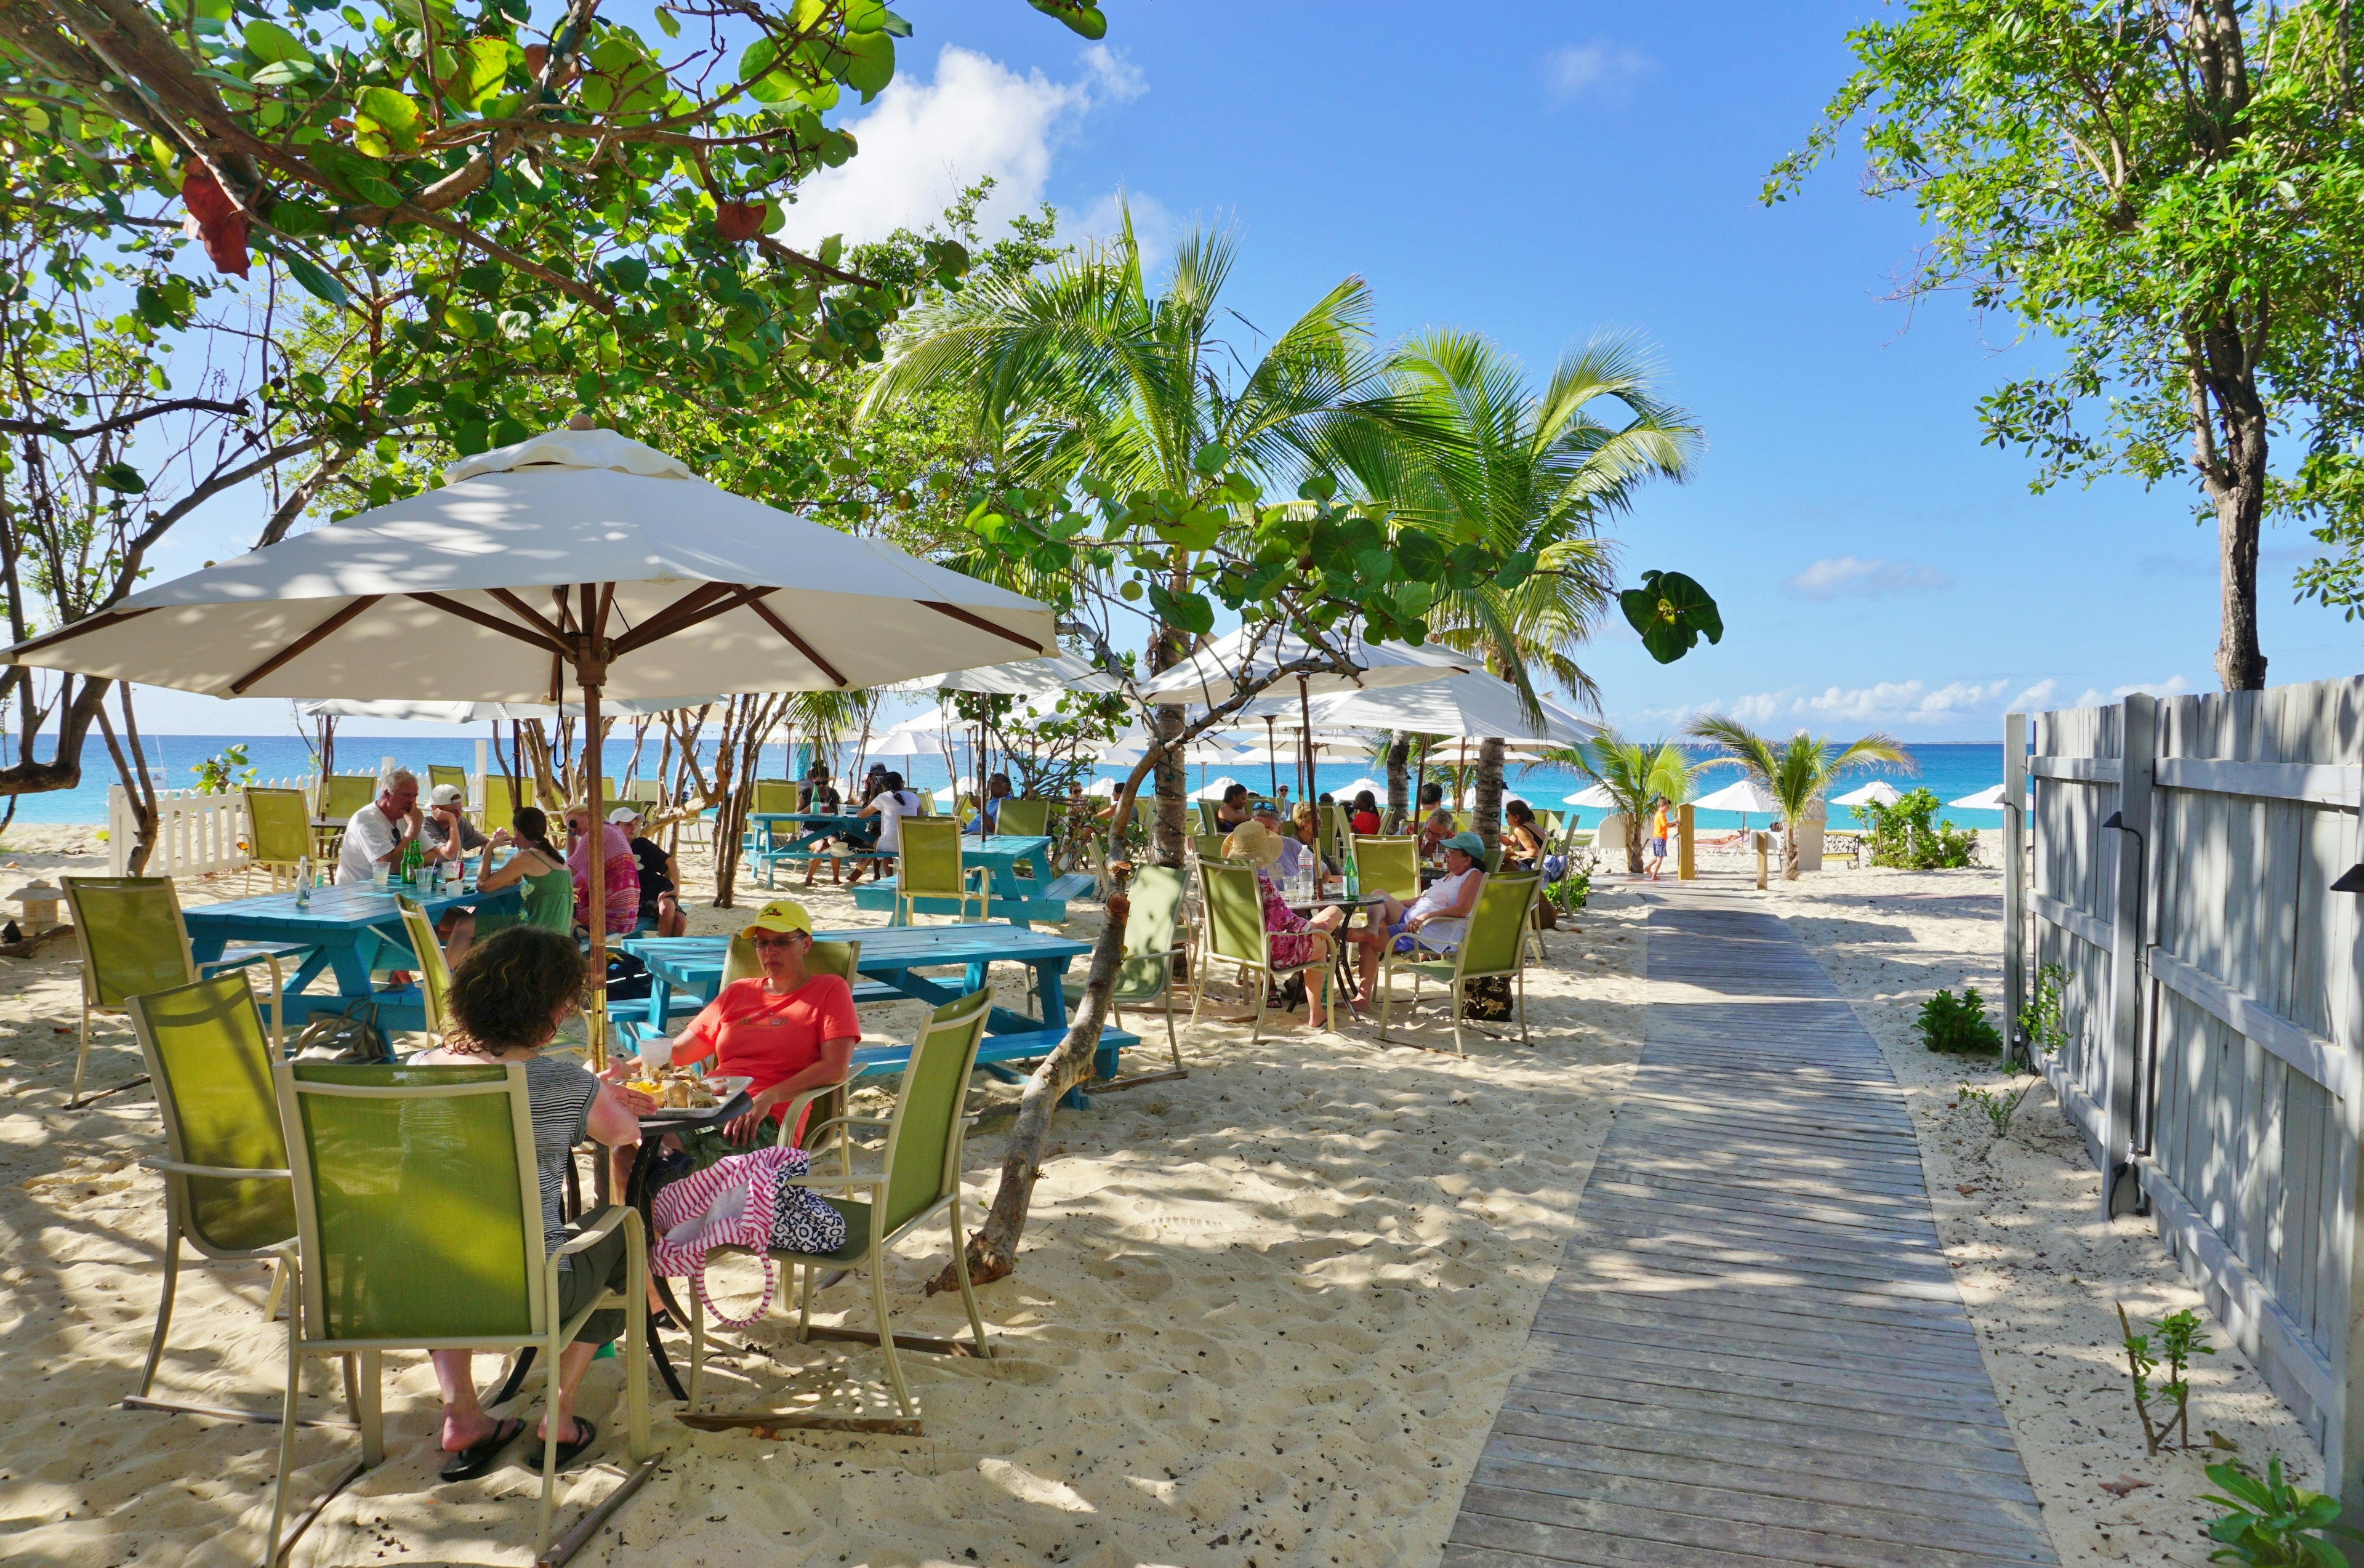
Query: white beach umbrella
1743	796
903	744
1103	788
1213	789
1473	706
1879	790
1130	748
576	560
1378	788
1026	677
1212	674
483	712
1595	794
1989	799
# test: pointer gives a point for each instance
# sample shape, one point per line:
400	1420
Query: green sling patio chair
132	941
500	805
918	1178
1209	845
448	774
1495	944
643	792
418	1227
225	1164
775	794
1207	817
840	959
1022	818
434	974
1334	831
927	800
278	833
338	797
1388	865
1236	935
1151	943
931	868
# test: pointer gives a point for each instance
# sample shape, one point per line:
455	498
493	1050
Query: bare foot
466	1431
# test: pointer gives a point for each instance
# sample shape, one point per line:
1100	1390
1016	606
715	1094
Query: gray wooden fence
2180	888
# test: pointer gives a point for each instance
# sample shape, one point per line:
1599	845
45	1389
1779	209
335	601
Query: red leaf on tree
738	221
220	223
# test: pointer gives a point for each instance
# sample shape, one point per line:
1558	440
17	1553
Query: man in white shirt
375	835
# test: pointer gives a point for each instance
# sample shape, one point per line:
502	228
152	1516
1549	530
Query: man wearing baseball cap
660	877
1434	922
447	834
787	1031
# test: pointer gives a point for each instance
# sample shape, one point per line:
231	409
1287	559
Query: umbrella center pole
591	671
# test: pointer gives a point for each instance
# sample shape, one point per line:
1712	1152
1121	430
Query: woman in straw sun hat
1296	939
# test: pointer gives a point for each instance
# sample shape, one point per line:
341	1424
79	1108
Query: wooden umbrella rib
491	622
982	624
675	617
305	643
772	619
526	613
98	622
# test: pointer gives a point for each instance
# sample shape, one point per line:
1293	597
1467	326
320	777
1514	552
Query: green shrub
1957	1025
1568	894
2273	1524
1902	835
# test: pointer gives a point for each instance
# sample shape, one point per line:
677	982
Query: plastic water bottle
303	881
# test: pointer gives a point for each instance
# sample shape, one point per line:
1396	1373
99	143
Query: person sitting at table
1433	923
620	873
374	837
988	813
1296	939
1364	817
507	1002
1233	812
1431	795
1522	842
1292	850
548	900
1433	832
818	794
1305	828
890	806
447	835
789	1032
660	876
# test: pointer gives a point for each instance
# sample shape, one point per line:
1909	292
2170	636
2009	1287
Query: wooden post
2014	873
2138	763
1686	860
1762	839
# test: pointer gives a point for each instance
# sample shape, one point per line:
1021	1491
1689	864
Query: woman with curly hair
508	999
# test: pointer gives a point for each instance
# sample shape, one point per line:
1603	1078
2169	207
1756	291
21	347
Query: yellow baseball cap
779	914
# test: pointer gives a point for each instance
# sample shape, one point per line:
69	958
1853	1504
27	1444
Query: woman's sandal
569	1452
477	1457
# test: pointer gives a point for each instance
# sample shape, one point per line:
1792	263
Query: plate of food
683	1095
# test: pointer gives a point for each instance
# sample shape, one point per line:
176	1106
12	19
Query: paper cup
656	1055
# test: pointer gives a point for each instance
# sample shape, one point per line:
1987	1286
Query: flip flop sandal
478	1458
569	1452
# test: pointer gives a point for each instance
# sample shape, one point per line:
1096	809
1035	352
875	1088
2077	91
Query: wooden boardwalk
1752	1354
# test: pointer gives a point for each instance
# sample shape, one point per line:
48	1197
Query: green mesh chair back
1023	818
211	1063
1497	925
1150	925
416	1199
931	858
448	773
1462	819
1206	816
775	794
501	804
131	938
279	825
1235	912
922	1157
927	800
739	961
341	794
1210	846
1333	829
1388	865
434	976
840	959
644	792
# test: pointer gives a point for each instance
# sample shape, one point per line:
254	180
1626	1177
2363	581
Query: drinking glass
378	877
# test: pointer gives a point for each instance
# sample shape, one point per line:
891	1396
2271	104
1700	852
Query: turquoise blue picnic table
891	959
812	827
349	931
1037	895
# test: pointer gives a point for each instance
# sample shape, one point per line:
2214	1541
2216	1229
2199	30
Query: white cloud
1154	227
2093	696
2035	699
923	141
1837	574
1591	71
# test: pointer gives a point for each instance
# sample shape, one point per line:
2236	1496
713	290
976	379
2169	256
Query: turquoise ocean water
1951	770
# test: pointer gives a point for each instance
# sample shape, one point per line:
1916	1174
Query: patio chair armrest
847	1121
592	1234
841	1184
795	1109
225	1172
211	966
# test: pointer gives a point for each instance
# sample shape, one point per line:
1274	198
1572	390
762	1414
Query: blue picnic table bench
891	959
1037	895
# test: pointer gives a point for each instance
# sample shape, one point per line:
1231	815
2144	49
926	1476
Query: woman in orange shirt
790	1031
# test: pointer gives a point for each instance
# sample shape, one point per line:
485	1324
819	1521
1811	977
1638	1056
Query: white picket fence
196	834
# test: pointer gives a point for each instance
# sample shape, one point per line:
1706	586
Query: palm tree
1796	773
1634	774
1463	447
1080	368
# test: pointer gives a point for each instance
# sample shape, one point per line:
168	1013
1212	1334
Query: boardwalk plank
1753	1354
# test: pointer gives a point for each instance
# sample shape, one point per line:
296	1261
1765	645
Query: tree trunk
1488	812
138	789
1398	779
1633	843
1788	846
1168	832
2235	485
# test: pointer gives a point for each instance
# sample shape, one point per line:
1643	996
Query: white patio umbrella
1989	799
1474	707
1213	789
1879	790
1742	795
1026	677
1105	788
1596	796
574	560
1378	788
904	744
1131	747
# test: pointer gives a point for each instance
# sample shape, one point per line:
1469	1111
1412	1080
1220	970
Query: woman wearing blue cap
1434	922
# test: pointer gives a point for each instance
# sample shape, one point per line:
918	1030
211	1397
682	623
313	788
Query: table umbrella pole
1305	737
595	876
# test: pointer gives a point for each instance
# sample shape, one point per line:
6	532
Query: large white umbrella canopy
578	552
479	712
1595	794
1131	747
1025	678
1473	706
903	743
1742	794
1348	792
576	560
1988	799
1213	674
1879	790
1213	789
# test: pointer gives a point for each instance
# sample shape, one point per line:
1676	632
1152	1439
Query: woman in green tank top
548	886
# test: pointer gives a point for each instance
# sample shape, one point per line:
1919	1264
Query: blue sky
1565	169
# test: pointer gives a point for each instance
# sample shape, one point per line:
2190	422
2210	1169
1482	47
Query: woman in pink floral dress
1295	940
